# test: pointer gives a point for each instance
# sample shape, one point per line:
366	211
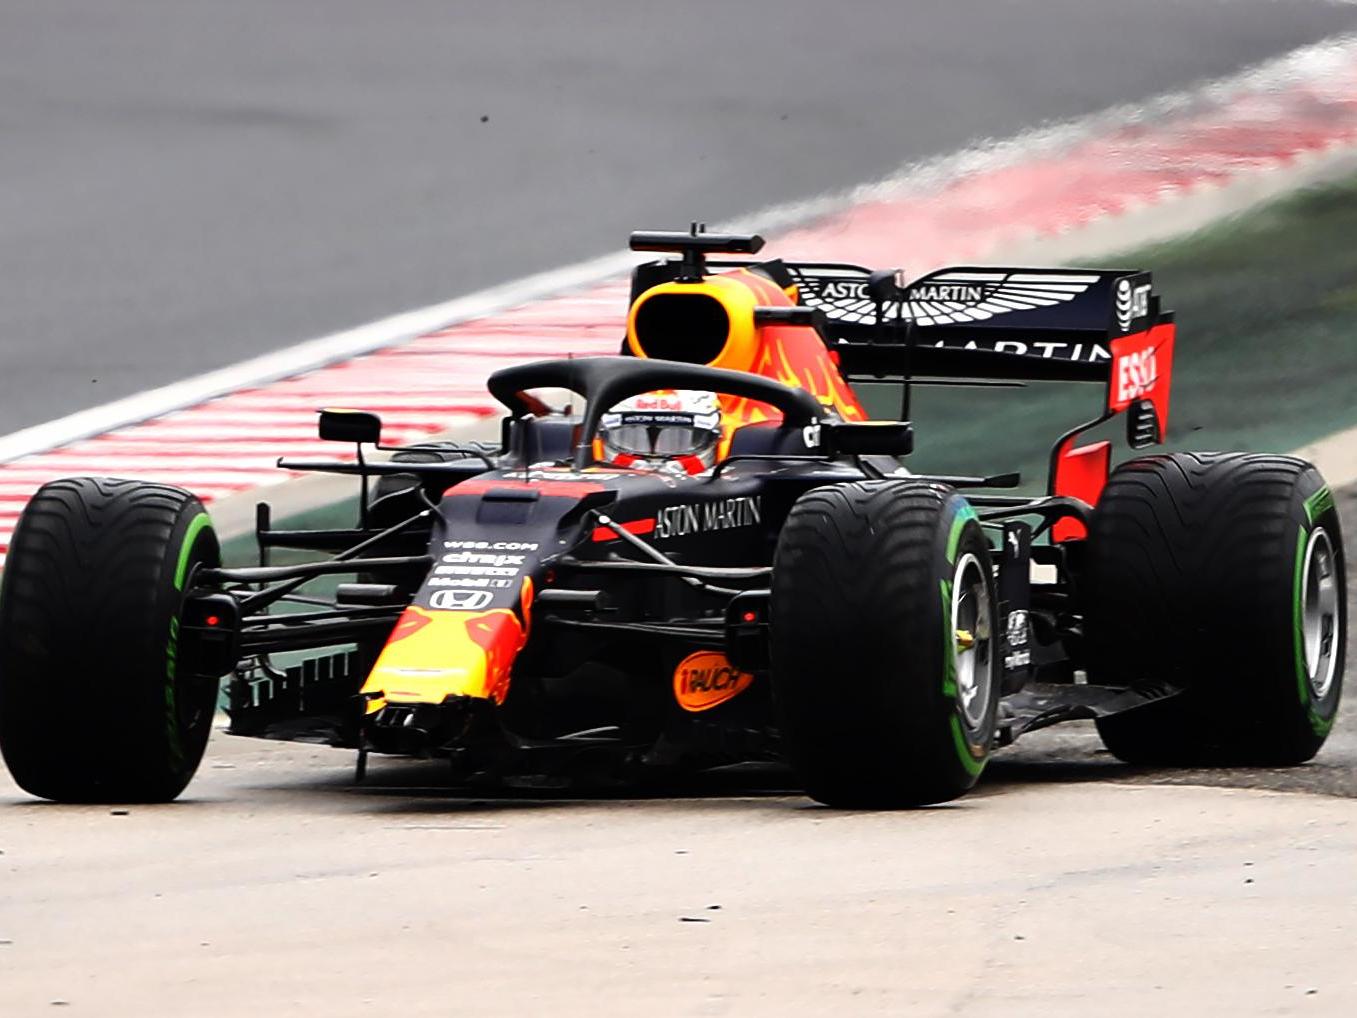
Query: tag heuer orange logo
706	679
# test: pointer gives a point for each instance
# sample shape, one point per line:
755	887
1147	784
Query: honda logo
460	600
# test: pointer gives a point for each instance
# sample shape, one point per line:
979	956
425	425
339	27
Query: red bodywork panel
1142	368
1080	473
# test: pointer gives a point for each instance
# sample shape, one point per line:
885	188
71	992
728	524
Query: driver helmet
669	429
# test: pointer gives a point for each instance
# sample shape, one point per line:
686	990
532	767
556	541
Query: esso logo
1136	375
460	600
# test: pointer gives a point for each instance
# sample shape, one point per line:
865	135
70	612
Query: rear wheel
1221	573
883	644
93	704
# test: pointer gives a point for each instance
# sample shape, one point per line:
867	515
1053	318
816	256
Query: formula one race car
719	560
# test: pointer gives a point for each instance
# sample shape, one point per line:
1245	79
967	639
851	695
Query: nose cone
432	655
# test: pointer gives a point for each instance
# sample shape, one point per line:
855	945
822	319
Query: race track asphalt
185	185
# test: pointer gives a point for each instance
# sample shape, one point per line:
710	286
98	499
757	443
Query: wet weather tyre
93	707
884	661
1222	574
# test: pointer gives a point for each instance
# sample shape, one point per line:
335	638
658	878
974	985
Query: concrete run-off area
276	888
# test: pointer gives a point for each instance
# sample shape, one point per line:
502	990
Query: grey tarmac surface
280	890
184	185
1066	884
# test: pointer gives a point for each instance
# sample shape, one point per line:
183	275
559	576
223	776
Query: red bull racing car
719	559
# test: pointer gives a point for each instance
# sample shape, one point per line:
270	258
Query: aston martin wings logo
947	298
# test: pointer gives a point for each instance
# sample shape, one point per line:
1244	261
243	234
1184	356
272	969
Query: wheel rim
1319	613
972	650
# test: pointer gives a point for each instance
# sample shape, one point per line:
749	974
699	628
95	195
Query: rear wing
987	323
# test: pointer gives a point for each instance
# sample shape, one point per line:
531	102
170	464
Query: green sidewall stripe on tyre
948	641
964	513
1318	504
964	751
196	526
1320	724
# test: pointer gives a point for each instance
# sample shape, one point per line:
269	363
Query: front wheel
94	704
884	652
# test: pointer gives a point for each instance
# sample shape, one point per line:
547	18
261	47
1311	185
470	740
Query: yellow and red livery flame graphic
706	679
792	354
433	654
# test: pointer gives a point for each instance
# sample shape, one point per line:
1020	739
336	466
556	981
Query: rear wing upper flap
982	321
993	322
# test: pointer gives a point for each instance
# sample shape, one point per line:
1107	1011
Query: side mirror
338	425
859	438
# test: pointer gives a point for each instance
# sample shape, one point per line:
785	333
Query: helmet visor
659	440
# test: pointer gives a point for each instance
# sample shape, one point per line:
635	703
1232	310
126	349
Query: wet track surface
186	185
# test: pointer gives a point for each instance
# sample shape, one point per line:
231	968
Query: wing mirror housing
339	425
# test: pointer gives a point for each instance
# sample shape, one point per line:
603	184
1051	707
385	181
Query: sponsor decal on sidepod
706	679
723	514
1136	374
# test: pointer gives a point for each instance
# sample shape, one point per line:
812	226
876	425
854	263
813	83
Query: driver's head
675	429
